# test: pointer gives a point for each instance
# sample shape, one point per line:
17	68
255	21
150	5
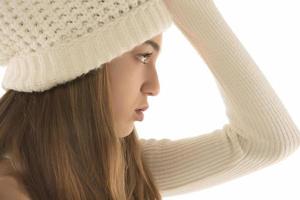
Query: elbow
289	140
285	147
289	147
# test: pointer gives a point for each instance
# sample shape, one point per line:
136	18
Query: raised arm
260	130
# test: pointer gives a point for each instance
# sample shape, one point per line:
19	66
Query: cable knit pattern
260	132
44	43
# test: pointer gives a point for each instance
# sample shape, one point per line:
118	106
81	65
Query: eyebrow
153	44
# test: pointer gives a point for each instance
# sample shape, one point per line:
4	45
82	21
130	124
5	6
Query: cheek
125	97
126	81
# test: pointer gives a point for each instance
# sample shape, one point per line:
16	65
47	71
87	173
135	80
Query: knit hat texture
44	43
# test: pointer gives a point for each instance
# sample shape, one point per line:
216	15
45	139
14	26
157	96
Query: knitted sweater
260	131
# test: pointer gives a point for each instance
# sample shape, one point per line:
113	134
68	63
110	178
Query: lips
142	108
139	115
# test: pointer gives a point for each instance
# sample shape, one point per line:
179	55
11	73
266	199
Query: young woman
77	71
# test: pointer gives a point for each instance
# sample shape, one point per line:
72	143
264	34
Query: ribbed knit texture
260	131
47	43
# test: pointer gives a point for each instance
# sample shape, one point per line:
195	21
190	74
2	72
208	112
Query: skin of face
132	78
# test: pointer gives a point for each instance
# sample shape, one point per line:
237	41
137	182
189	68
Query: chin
126	133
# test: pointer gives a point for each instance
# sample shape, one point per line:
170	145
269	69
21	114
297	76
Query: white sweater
260	130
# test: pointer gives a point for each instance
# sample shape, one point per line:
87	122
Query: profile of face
133	77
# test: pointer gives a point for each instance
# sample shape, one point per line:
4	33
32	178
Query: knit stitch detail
63	52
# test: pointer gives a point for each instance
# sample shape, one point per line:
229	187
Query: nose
151	85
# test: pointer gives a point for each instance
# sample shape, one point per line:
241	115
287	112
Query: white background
189	102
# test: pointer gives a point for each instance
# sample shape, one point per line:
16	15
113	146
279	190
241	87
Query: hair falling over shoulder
63	145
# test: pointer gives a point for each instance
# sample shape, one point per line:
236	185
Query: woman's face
133	77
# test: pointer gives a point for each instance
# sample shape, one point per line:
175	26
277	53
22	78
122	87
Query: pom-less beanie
44	43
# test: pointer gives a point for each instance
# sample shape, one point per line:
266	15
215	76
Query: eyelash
146	55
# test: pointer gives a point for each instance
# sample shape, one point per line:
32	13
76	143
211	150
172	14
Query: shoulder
10	190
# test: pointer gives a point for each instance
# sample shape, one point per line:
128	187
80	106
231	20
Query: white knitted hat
44	43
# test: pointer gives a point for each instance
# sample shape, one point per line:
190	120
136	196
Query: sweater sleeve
260	131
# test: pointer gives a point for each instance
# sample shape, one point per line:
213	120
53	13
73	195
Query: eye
143	57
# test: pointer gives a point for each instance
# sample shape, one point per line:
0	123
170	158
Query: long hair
64	146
